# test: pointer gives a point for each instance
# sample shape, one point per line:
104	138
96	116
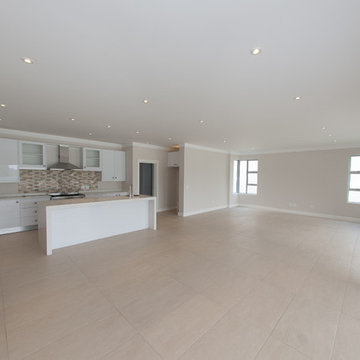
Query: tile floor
233	284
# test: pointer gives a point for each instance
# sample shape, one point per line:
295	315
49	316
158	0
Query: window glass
354	181
355	163
253	165
235	176
354	196
252	189
252	178
243	176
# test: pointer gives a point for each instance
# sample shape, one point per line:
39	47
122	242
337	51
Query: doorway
146	183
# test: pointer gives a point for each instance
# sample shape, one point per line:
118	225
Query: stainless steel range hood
63	163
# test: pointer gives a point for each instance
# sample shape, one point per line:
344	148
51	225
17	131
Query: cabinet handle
35	211
17	202
35	220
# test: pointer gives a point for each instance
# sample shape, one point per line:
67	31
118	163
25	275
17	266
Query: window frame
349	179
247	177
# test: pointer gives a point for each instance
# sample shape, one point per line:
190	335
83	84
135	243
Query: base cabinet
9	214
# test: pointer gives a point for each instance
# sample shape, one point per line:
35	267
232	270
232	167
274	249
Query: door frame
155	174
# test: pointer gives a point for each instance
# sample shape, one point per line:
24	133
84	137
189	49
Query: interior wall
167	176
205	180
309	181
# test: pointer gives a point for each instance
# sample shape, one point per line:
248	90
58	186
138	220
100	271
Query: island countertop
93	200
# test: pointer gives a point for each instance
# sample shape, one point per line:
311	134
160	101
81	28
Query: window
245	177
354	181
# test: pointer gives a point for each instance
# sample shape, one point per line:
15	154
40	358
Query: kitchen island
69	222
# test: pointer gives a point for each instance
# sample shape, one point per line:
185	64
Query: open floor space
234	284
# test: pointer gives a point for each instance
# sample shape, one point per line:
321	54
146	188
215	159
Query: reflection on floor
231	284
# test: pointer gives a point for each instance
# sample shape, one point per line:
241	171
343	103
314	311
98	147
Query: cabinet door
32	156
92	159
9	160
9	214
108	165
174	159
119	166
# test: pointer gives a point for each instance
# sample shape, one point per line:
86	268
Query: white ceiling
96	61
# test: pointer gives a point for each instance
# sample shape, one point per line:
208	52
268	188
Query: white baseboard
306	213
202	211
166	209
233	205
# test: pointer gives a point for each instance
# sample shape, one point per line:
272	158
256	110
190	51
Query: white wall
316	181
167	177
204	180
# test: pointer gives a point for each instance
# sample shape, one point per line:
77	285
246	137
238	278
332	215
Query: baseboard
306	213
233	205
166	209
202	211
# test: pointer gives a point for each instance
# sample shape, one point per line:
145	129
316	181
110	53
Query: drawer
28	211
29	220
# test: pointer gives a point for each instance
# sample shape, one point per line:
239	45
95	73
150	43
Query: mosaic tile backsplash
32	181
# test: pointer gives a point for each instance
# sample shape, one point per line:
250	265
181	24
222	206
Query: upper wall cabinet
92	159
113	165
9	161
32	155
174	159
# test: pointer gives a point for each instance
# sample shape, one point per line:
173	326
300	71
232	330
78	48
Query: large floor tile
105	335
134	349
347	345
309	327
3	342
276	350
173	334
241	333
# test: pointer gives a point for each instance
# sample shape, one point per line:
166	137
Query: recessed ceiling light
72	119
90	134
297	98
255	51
323	128
0	119
225	141
170	138
137	131
334	140
108	126
2	105
145	101
202	121
330	135
27	60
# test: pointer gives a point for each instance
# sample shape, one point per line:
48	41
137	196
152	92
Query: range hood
63	163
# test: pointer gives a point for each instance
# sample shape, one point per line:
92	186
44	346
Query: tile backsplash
32	181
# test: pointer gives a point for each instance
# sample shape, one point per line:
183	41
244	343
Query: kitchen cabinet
9	161
113	165
29	210
174	159
9	214
92	159
32	155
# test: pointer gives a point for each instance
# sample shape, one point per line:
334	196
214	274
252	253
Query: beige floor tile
309	327
34	335
351	305
276	350
241	333
143	303
347	344
105	335
134	349
172	335
3	342
289	277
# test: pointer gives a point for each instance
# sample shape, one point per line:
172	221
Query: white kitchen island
69	222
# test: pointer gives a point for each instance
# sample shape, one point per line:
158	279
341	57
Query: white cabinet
29	210
9	160
174	159
92	159
32	155
113	165
9	214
